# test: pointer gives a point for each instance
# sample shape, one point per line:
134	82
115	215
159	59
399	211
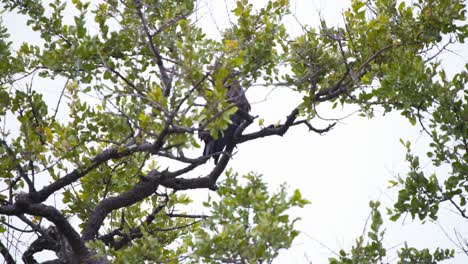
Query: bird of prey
235	95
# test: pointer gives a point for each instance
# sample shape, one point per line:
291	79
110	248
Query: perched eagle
235	95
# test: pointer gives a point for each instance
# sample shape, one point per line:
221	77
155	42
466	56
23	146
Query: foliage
141	80
248	225
373	250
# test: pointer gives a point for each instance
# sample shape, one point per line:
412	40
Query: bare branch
59	102
272	129
311	128
16	228
187	216
176	227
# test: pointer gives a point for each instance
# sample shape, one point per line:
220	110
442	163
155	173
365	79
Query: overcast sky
338	172
342	170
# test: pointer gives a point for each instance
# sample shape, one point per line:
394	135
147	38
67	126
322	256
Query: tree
121	163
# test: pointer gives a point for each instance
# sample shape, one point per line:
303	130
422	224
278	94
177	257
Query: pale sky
342	170
339	172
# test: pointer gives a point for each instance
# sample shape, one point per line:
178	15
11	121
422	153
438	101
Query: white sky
342	170
338	172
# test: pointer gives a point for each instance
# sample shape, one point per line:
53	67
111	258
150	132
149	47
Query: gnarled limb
6	254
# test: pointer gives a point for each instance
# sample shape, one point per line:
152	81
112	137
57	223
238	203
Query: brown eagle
235	95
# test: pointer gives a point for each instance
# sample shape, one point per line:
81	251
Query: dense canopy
104	172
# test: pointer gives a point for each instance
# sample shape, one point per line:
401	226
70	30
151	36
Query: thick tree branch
64	228
272	129
40	244
280	130
114	152
62	225
311	128
149	184
6	254
143	189
208	181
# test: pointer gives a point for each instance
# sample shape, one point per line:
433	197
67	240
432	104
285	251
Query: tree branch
143	189
341	86
21	172
6	254
62	225
166	81
40	244
311	128
272	129
114	152
187	216
133	233
149	184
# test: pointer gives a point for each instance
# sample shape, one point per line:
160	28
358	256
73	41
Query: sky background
340	171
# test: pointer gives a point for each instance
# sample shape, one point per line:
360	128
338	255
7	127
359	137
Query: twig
166	81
